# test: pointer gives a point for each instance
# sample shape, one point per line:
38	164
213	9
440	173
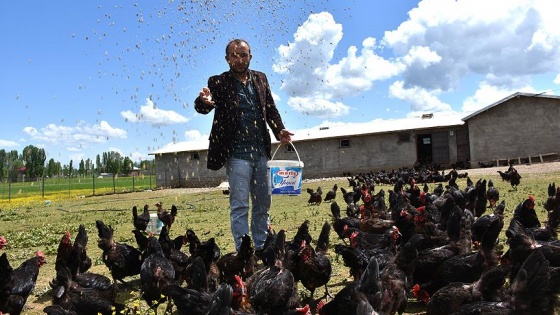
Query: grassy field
48	188
30	225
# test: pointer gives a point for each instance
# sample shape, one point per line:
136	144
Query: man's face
239	58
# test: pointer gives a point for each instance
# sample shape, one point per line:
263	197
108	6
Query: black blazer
226	115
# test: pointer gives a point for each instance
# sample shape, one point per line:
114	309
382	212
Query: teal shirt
248	142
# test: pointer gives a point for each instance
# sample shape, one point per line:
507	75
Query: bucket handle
299	160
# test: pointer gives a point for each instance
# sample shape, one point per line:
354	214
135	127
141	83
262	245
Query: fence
74	186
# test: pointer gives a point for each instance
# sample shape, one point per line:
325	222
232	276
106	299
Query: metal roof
338	131
542	95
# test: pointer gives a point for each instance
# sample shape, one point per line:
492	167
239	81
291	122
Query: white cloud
8	144
313	82
557	79
152	115
77	137
421	100
505	39
488	94
193	135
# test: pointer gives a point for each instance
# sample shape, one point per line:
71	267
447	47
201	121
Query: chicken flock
437	246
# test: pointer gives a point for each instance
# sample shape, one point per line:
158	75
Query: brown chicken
17	284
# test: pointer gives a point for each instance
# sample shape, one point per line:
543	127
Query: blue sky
79	78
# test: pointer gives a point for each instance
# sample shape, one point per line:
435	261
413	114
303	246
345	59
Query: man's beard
239	69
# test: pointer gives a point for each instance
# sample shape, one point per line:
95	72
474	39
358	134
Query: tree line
32	162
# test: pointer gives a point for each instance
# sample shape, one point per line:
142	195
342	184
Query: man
240	140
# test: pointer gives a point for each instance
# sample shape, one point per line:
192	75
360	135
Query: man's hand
206	96
285	136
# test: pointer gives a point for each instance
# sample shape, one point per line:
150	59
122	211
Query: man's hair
237	41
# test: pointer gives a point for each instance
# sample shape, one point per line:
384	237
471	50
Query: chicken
492	194
167	217
70	296
17	284
141	221
314	197
122	259
241	263
339	223
511	176
3	242
331	194
314	266
156	273
354	294
79	261
450	298
532	291
525	213
273	290
193	302
172	250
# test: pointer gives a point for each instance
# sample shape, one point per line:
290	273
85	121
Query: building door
424	148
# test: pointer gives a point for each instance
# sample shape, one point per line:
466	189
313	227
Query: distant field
72	187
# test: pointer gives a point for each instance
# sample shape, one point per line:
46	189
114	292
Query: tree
98	165
112	161
3	164
52	168
70	169
127	166
89	167
82	168
34	161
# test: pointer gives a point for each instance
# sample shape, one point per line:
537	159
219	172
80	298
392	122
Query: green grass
31	224
75	186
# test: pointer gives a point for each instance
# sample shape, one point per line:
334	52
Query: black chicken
241	263
339	223
314	197
17	284
511	176
314	266
331	194
492	194
71	297
167	217
155	275
525	213
122	259
141	221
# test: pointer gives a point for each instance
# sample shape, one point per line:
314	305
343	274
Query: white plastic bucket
285	176
155	224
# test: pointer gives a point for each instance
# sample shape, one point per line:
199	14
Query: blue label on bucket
285	180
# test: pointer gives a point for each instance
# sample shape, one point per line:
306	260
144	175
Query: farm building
521	127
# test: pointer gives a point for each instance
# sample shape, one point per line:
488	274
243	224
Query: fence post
93	176
132	181
9	190
43	188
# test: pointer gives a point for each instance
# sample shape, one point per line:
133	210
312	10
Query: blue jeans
248	178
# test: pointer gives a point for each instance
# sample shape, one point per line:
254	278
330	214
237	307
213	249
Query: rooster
3	242
17	284
141	221
511	176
